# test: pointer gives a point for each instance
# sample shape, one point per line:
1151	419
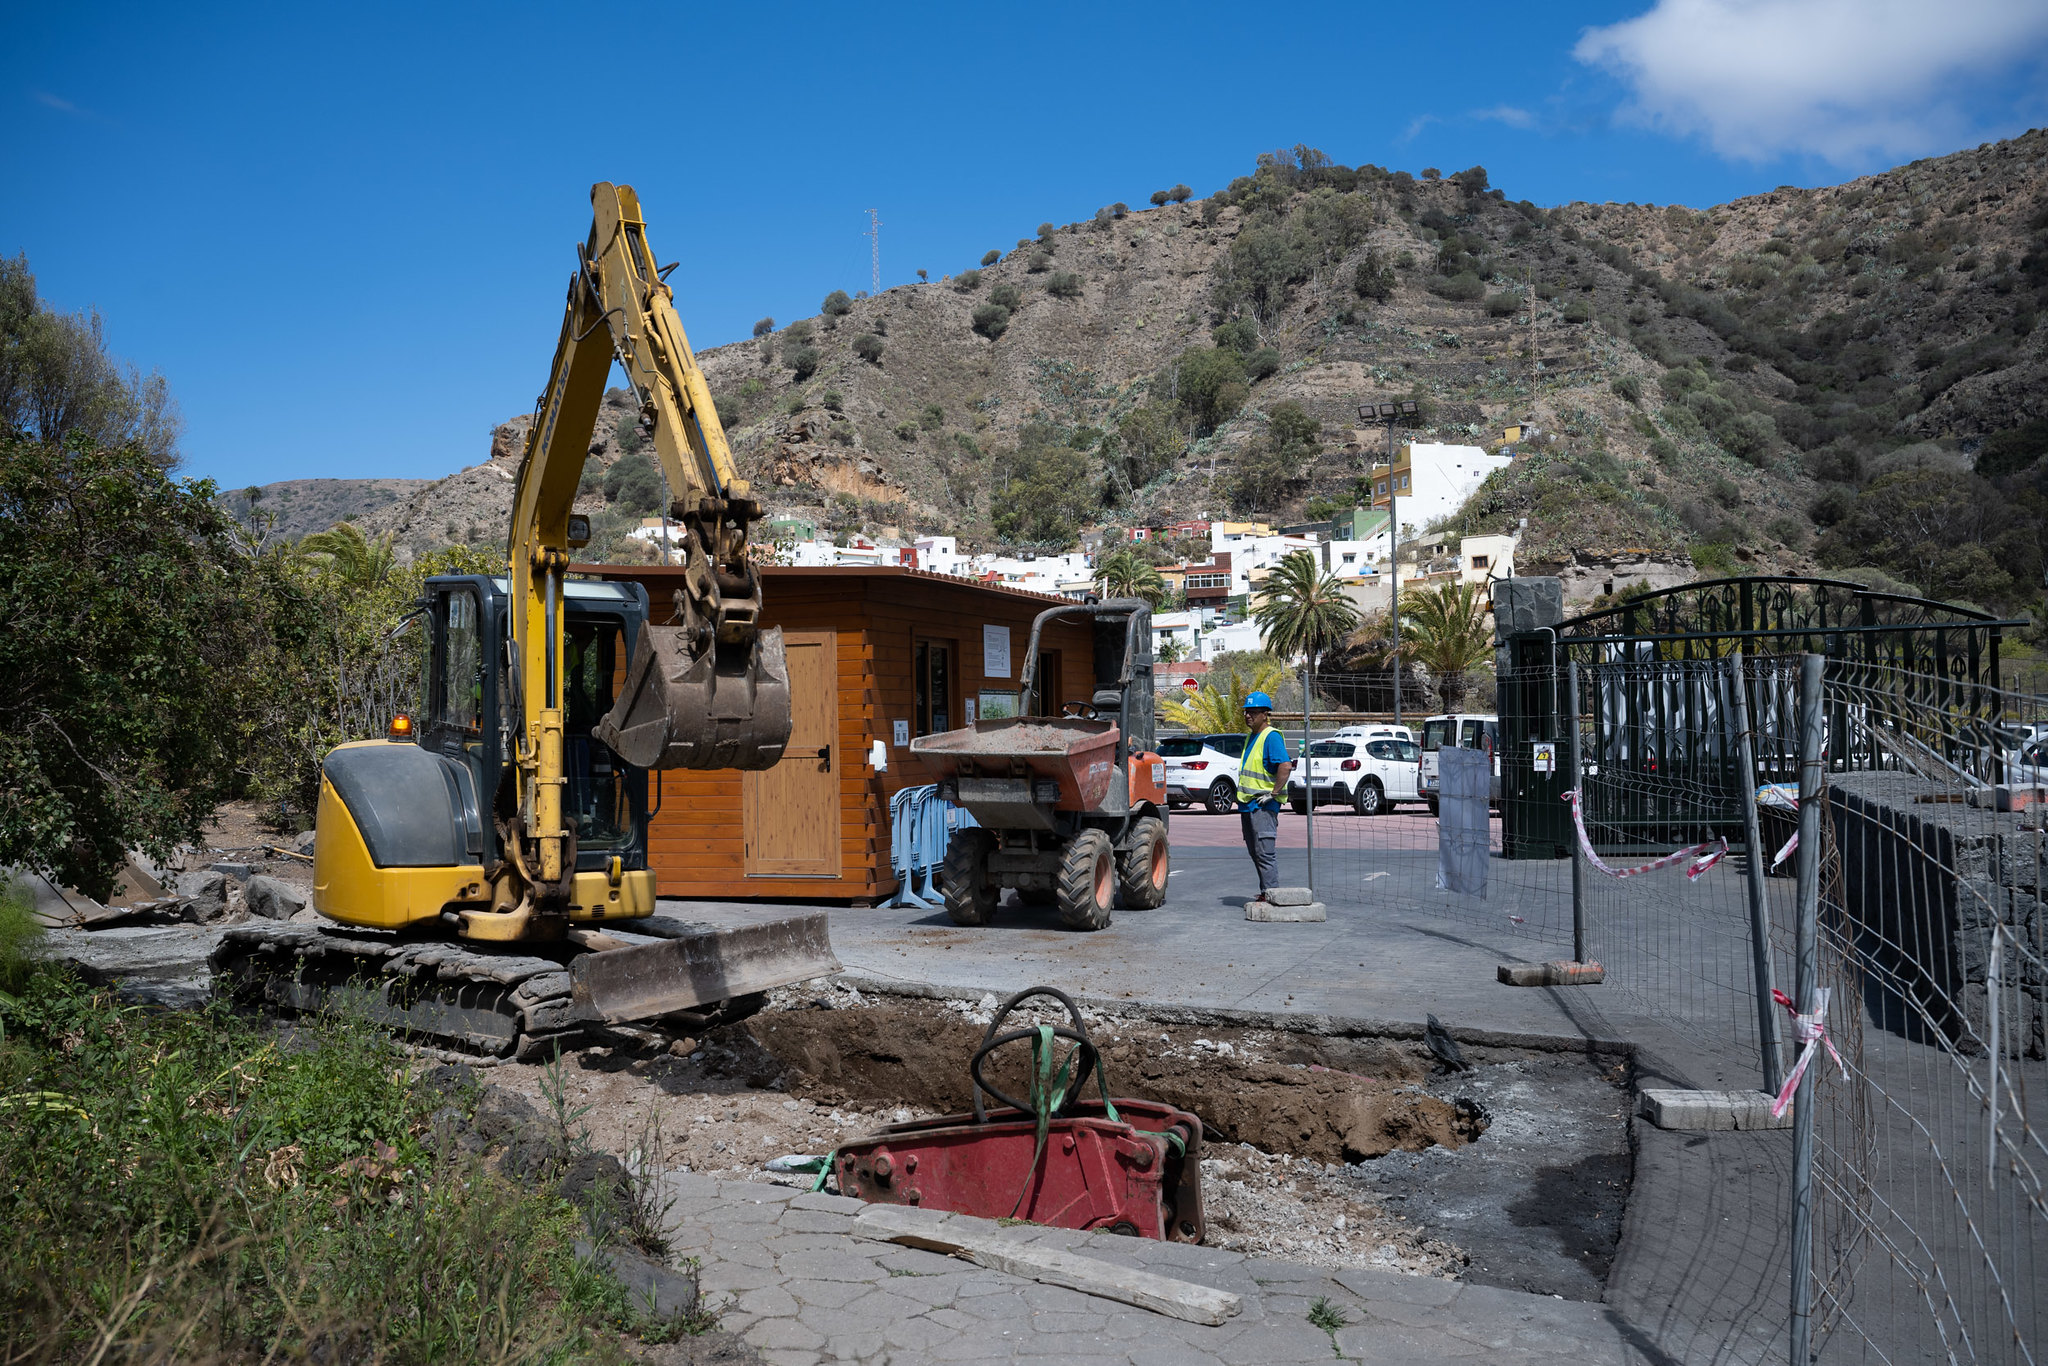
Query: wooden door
791	811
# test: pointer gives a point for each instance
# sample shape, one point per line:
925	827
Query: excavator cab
409	829
469	714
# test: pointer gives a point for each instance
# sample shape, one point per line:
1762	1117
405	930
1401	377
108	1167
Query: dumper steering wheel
992	1040
1084	710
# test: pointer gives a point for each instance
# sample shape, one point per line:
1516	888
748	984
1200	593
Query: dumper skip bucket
1079	755
716	706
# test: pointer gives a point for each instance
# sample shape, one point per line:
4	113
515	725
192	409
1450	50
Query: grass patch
194	1187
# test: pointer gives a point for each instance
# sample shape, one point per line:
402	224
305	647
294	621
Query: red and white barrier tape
1704	855
1813	1032
1786	798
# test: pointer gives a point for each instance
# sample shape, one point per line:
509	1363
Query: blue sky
344	233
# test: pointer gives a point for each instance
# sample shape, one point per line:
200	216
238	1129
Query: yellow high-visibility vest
1254	779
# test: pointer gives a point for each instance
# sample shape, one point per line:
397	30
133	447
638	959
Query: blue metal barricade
920	826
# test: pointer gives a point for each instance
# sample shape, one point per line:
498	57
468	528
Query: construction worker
1261	778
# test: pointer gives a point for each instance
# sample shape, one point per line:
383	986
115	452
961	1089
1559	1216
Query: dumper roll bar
1134	611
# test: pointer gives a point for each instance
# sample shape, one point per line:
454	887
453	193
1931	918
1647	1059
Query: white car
1369	776
1376	730
2028	767
1462	730
1202	769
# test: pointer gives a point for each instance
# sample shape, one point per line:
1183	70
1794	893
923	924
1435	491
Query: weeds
1328	1317
191	1187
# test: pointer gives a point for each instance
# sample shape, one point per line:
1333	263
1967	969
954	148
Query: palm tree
1172	650
1304	611
1219	705
1444	629
356	559
1122	574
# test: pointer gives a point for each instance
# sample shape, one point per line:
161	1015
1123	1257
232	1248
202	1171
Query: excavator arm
710	687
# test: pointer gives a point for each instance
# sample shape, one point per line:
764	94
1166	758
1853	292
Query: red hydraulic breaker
1125	1166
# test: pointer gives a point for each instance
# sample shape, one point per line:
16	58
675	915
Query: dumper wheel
1141	869
970	897
1087	886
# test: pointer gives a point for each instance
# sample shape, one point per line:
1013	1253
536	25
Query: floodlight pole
1390	415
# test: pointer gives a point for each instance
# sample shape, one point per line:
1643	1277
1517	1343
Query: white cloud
1844	79
1507	114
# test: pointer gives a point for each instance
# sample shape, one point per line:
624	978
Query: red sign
1189	685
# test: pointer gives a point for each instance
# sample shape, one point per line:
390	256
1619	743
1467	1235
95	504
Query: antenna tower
874	236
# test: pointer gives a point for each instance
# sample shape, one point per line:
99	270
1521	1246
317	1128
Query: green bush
1578	311
906	431
797	333
224	1197
1792	532
1039	263
1629	388
1464	287
1236	335
1209	385
989	258
991	320
1373	278
1103	218
1179	194
795	403
764	326
868	347
1261	364
833	400
837	304
1120	209
931	417
803	360
1503	304
1006	296
1159	199
1045	492
1064	284
21	936
967	281
1045	232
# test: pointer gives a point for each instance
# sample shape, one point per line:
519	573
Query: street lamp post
1390	416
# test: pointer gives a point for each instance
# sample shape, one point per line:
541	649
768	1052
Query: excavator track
458	1002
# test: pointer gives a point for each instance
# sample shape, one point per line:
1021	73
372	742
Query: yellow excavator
490	857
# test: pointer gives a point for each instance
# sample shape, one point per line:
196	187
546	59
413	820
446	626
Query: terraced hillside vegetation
1846	378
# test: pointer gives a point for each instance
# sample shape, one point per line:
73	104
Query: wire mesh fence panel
1931	1227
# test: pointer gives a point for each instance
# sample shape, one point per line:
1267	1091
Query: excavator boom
710	687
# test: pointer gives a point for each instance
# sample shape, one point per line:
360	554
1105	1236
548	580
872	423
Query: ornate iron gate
1679	787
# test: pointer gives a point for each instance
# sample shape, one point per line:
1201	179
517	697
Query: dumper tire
970	897
1142	869
1087	881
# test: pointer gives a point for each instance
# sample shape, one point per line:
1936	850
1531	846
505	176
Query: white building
1243	635
940	555
1252	556
1356	559
1432	479
1482	559
1036	573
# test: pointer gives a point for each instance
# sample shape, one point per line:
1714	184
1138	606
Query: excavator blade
717	706
695	965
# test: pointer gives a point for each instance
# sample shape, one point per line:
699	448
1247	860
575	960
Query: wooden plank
986	1243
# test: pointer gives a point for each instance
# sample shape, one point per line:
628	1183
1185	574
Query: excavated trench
1300	1095
1331	1150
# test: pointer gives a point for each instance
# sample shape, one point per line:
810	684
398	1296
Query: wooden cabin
881	653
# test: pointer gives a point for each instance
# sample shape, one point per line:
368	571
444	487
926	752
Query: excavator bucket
710	706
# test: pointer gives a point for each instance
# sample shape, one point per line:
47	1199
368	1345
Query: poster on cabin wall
997	706
995	652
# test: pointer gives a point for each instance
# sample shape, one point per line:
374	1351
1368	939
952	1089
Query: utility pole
874	236
1391	415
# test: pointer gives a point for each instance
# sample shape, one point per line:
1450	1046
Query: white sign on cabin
995	651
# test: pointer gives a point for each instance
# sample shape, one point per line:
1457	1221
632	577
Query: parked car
1376	730
1202	769
2028	767
1369	776
1463	730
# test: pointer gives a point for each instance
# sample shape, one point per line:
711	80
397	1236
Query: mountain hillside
1848	377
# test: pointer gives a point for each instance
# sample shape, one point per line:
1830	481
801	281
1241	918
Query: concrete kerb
1289	1022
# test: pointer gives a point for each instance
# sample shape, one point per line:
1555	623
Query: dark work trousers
1261	829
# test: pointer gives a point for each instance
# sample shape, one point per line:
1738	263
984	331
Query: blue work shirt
1276	755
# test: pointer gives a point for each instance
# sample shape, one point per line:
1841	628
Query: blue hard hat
1258	699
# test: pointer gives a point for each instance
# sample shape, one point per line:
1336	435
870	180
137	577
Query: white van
1462	730
1376	730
